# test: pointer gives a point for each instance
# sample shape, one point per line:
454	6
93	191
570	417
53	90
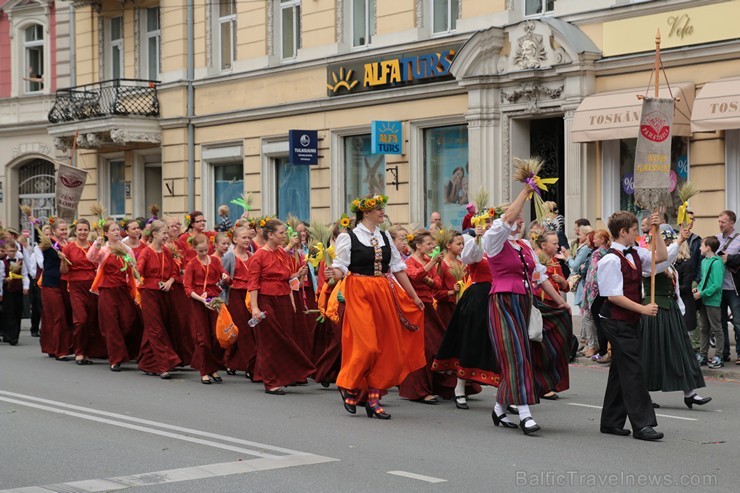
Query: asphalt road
77	429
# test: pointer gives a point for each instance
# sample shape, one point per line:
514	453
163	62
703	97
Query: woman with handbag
578	264
514	269
382	326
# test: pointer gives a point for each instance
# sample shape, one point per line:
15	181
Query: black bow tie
628	250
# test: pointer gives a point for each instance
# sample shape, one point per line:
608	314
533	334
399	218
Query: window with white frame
152	44
446	172
227	33
444	15
228	185
293	185
114	181
538	7
33	45
363	22
115	47
290	28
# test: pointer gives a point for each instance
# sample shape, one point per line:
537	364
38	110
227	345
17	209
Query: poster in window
447	172
365	172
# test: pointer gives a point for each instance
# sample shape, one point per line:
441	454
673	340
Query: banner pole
72	157
654	239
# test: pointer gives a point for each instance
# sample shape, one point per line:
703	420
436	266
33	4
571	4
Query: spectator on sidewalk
710	292
729	244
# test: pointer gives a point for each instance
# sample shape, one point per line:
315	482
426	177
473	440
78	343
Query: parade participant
447	296
203	275
619	276
242	355
466	224
195	224
514	269
668	360
577	265
399	236
15	285
157	269
466	348
37	268
133	239
304	296
88	341
422	384
599	241
280	359
56	335
557	324
382	340
115	282
221	245
179	330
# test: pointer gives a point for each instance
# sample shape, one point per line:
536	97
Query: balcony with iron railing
110	112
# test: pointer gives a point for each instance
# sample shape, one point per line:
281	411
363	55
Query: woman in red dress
280	360
202	277
115	282
133	239
179	330
88	341
195	224
157	269
423	384
56	334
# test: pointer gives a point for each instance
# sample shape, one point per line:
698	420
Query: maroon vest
631	288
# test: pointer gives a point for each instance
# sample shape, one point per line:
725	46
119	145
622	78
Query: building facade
191	109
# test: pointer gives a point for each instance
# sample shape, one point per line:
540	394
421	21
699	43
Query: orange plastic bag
332	306
226	331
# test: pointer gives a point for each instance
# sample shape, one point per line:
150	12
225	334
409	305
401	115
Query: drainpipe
191	106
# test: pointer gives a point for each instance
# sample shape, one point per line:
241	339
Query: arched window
37	189
33	48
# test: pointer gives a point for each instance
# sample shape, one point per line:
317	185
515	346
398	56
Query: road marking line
176	475
156	424
411	475
661	415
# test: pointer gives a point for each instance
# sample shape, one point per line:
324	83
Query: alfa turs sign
390	71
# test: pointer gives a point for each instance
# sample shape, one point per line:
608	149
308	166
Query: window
444	15
290	27
33	42
364	172
679	174
537	7
228	184
227	32
446	172
293	189
116	48
117	188
363	22
152	43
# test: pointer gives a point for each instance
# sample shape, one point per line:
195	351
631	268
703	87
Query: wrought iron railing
116	97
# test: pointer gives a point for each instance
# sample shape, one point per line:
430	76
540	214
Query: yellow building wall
476	8
251	28
395	16
318	23
86	49
174	35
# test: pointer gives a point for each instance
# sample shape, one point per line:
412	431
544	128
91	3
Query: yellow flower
409	237
371	203
262	223
344	222
356	203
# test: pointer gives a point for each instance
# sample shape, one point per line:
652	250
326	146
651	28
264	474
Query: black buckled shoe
647	433
528	430
613	430
499	420
695	399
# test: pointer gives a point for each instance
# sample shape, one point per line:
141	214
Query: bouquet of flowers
685	192
526	171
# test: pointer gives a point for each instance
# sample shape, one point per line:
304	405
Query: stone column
484	139
580	178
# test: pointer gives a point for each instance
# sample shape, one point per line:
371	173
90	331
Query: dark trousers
626	394
35	297
600	335
731	300
12	312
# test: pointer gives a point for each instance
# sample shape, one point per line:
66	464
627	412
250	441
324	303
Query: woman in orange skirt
383	324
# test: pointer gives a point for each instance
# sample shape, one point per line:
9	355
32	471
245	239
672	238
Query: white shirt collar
362	227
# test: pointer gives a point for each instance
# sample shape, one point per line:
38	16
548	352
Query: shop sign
628	183
682	166
411	68
304	146
386	137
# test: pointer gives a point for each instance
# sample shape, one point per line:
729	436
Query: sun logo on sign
342	81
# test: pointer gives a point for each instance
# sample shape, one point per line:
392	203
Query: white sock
460	387
688	393
525	413
500	410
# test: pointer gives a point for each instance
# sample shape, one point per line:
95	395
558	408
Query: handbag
534	329
573	281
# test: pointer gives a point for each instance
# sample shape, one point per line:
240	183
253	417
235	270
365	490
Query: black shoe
349	400
552	397
528	430
655	405
613	430
512	410
499	420
376	410
695	399
277	391
14	342
325	383
116	367
217	378
83	362
229	371
431	401
461	402
63	358
35	333
206	380
647	433
165	375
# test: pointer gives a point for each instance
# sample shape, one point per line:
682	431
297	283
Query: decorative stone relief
531	93
122	136
530	52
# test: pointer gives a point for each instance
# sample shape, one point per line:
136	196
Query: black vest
631	288
362	258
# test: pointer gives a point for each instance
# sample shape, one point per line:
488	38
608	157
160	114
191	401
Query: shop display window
364	172
228	184
447	173
293	189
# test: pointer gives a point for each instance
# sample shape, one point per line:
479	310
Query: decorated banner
70	183
653	154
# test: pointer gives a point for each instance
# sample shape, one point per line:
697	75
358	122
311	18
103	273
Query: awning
616	115
717	106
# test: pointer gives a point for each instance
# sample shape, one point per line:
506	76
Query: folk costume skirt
120	324
56	331
466	348
377	350
280	359
668	361
180	330
243	354
550	357
509	316
157	354
88	340
208	356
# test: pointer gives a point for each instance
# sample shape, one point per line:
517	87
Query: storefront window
228	185
364	172
293	189
679	174
446	172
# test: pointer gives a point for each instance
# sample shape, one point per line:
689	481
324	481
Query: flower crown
367	204
345	221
